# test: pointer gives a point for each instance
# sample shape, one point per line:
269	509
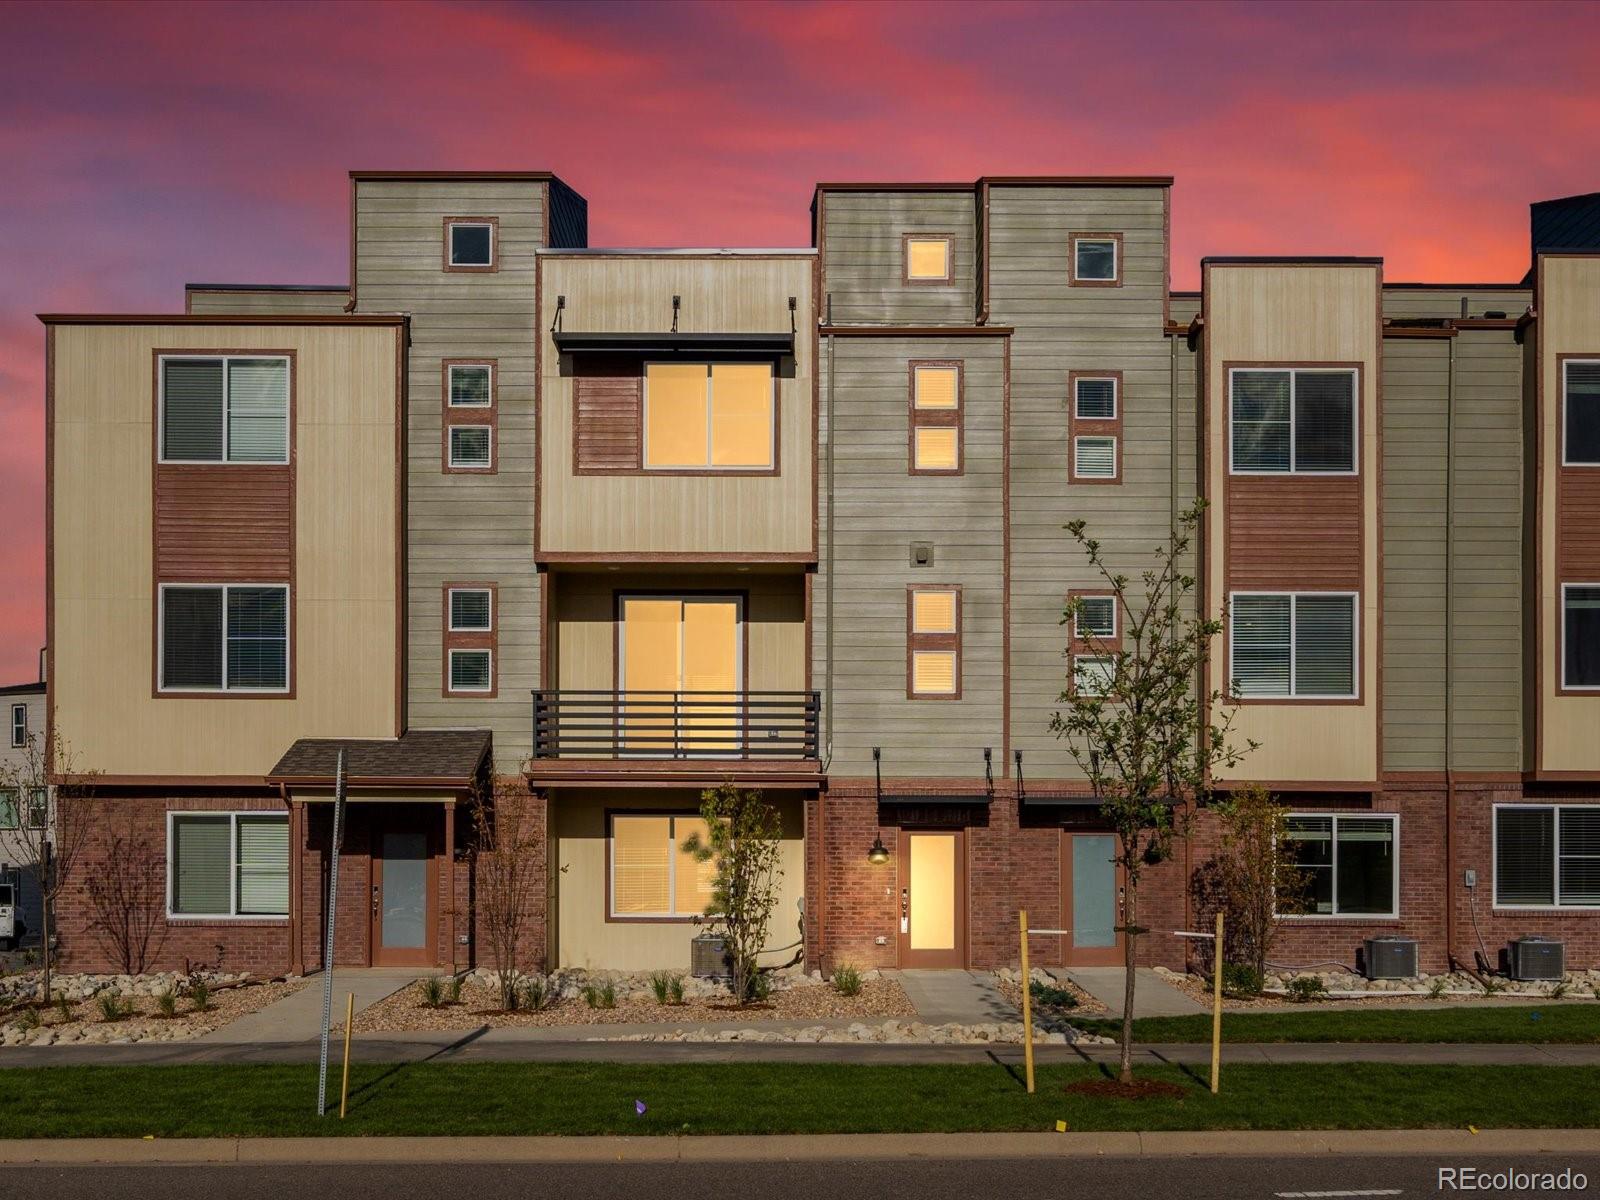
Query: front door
403	876
678	660
1091	900
933	893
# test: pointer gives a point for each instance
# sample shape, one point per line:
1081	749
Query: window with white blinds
471	671
1092	674
470	610
224	637
1292	421
471	385
1351	862
224	409
1095	617
470	447
1580	635
1094	399
1094	457
1580	418
1299	644
227	864
1547	856
652	875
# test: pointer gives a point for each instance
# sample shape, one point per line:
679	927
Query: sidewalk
1153	996
299	1015
1457	1143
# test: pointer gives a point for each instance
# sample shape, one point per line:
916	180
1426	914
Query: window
471	670
709	416
1547	856
469	639
933	643
1580	635
470	243
1297	645
471	447
1351	863
469	610
471	385
1293	421
1096	259
1094	426
38	810
1094	457
652	876
224	410
1092	674
935	418
927	258
227	864
1094	398
19	725
1096	617
232	637
1580	436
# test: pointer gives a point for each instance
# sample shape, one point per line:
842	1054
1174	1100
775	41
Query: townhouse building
24	808
601	528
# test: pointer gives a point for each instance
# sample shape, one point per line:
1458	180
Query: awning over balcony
419	758
723	345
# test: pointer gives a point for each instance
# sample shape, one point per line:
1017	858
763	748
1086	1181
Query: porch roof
449	758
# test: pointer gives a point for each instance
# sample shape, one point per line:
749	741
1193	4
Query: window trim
1094	427
234	915
455	639
1353	369
1394	891
163	357
485	468
1566	361
451	415
493	264
770	468
945	280
1292	697
450	679
936	418
1554	808
612	917
1077	236
285	692
932	642
1577	689
16	726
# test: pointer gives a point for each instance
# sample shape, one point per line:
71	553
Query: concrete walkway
299	1015
1153	996
955	997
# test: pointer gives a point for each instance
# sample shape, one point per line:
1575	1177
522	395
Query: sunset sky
148	145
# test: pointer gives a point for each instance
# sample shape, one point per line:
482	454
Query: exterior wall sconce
879	854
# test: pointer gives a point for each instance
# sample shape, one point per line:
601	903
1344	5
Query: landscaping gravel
231	997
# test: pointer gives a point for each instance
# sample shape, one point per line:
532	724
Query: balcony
689	735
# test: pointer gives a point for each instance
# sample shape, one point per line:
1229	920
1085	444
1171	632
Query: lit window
1094	457
709	416
934	643
652	875
936	417
927	259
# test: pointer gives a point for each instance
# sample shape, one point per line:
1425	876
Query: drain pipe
1449	658
827	669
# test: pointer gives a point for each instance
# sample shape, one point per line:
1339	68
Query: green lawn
1557	1022
754	1098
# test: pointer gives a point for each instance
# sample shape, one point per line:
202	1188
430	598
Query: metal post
327	941
1027	1002
1216	1007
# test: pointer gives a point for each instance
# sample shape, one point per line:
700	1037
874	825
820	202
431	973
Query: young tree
744	842
507	845
126	893
1140	725
1253	878
50	835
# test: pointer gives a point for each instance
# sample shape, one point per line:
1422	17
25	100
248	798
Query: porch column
450	882
297	924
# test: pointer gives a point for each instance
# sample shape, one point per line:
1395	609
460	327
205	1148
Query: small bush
63	1007
453	989
200	995
432	992
1436	989
661	984
113	1007
600	995
846	980
1240	979
167	1003
760	988
535	993
1491	985
28	1019
1306	987
675	991
1559	990
1048	996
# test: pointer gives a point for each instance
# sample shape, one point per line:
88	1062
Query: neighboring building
24	705
612	526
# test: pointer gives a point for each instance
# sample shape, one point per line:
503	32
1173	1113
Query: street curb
794	1148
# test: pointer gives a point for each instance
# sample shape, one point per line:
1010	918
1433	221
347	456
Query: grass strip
1553	1023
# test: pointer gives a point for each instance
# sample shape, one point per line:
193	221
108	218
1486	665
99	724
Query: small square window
470	671
471	243
1095	399
1094	457
470	386
469	446
937	388
938	448
1094	260
1096	617
933	612
933	672
471	610
928	259
1092	674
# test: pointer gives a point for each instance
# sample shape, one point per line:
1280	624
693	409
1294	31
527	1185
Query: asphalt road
1200	1178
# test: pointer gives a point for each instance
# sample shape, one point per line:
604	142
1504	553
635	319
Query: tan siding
864	269
266	301
460	525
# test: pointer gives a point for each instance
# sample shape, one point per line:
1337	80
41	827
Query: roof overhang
723	345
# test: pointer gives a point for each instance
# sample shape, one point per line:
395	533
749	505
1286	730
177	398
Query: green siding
863	261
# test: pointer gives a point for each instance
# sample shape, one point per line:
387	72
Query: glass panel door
400	900
651	672
1090	903
672	646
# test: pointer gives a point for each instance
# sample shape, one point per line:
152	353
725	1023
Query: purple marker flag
639	1107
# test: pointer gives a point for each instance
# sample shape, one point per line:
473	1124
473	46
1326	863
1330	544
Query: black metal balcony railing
738	725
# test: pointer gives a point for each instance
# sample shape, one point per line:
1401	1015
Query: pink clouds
149	145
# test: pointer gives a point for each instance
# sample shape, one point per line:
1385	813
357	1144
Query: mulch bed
1139	1089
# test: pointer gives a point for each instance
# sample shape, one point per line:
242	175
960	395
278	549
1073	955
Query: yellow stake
1216	1009
349	1019
1027	1001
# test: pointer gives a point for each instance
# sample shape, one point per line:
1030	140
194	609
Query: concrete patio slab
1153	995
956	997
300	1015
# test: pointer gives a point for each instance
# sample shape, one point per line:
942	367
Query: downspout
1449	658
827	651
1172	531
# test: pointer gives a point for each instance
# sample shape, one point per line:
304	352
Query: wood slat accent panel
606	432
1578	523
224	523
1293	532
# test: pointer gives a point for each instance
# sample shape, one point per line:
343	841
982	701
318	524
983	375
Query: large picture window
1547	856
709	416
224	409
1580	413
1292	421
1580	635
652	876
224	637
227	864
1351	863
1292	645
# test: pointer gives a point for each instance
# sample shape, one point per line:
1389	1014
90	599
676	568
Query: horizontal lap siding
462	525
607	415
1441	302
224	523
882	509
267	301
1060	329
864	263
1293	532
